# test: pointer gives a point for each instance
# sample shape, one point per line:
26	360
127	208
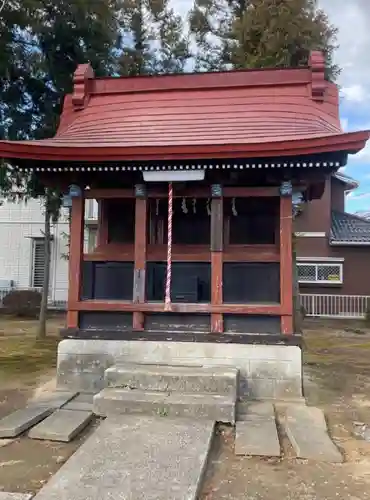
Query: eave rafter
42	150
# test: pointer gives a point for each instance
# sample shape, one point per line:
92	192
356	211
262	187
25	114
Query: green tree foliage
236	34
152	39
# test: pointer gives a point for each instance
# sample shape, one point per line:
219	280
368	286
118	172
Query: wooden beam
286	264
187	253
141	209
195	192
121	306
76	240
250	192
106	194
216	262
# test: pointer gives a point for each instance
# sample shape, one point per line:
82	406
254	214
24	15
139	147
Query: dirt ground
27	367
337	379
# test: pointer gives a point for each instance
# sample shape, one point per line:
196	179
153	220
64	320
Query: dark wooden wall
191	282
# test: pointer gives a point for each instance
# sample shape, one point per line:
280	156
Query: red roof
254	113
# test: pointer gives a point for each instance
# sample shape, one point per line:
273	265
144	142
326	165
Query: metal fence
335	306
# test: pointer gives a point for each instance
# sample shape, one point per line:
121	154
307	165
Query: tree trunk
41	332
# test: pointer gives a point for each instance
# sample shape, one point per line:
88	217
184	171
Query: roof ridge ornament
81	85
318	82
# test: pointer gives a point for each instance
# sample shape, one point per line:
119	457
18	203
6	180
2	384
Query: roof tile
348	228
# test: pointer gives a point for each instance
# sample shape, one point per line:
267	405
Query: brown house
333	250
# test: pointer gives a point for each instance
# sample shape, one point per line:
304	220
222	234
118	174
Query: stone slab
170	378
55	399
15	496
21	420
257	434
125	401
263	410
82	402
62	425
306	428
135	458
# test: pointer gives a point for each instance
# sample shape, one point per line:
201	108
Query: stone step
21	420
170	378
115	401
62	425
136	458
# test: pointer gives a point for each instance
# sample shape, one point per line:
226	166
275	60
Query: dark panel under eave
249	282
249	324
191	281
107	280
111	321
178	322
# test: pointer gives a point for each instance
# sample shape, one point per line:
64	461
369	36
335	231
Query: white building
22	260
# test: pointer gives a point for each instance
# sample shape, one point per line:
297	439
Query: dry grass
23	359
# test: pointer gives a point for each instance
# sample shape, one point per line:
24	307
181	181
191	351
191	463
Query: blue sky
352	18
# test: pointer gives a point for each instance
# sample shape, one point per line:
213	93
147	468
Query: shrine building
194	175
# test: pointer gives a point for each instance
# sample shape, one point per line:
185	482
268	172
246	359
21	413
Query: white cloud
344	123
354	93
352	18
363	155
359	196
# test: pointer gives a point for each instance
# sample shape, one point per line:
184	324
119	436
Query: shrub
303	312
367	316
22	303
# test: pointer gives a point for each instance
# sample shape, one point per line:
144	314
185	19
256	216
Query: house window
38	263
320	273
92	234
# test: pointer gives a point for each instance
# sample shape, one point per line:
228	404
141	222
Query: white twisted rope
167	301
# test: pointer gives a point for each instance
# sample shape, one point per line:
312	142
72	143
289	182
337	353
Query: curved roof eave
54	150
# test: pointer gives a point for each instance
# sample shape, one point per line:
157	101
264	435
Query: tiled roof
268	113
349	229
346	179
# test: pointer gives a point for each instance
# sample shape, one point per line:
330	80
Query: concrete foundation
266	371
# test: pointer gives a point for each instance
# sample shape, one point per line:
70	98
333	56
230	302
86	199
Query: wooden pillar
76	241
141	210
286	264
216	262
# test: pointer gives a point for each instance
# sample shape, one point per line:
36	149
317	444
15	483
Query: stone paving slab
135	458
21	420
306	428
55	399
62	425
15	496
249	411
82	402
256	433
